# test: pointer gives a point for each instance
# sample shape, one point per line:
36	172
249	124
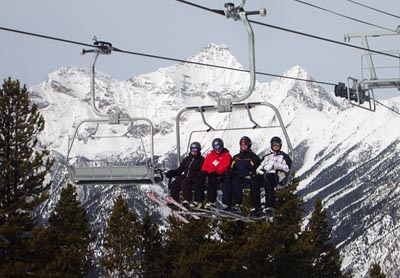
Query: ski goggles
244	143
217	147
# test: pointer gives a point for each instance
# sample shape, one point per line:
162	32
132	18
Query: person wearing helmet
186	174
213	172
273	170
243	166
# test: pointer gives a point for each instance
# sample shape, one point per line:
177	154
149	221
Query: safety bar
246	106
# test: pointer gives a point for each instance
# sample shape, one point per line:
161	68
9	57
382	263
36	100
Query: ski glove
281	176
170	174
260	171
268	167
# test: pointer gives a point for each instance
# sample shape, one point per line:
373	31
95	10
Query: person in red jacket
214	167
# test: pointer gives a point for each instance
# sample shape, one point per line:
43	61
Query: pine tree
43	248
153	257
376	271
121	242
256	255
183	243
247	249
285	233
325	259
23	168
63	248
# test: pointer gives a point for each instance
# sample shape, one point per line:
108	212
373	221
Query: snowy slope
345	155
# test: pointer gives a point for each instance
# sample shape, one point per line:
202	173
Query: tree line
133	246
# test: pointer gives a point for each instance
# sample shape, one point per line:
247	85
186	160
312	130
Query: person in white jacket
273	170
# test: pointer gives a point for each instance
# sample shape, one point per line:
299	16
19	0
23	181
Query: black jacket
244	164
190	166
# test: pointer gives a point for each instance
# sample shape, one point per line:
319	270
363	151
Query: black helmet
195	146
217	143
276	140
247	140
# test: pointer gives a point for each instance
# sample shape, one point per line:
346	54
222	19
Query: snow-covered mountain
345	155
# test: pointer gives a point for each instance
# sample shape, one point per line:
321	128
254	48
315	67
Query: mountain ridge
343	154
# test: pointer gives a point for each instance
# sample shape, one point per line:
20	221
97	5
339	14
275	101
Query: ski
183	208
199	214
164	204
229	214
260	218
239	217
205	213
269	217
223	214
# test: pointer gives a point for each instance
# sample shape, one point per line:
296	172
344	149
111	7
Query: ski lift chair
229	105
116	174
384	75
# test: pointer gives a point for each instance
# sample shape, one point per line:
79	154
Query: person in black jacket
186	174
240	172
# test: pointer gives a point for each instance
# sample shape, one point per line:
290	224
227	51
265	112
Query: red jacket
215	162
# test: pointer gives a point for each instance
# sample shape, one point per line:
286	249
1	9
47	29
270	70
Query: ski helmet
247	140
276	140
217	143
195	147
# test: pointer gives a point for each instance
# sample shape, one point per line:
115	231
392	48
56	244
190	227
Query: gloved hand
281	176
170	174
260	171
268	167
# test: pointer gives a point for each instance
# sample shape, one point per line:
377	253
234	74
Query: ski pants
212	187
269	182
233	190
181	184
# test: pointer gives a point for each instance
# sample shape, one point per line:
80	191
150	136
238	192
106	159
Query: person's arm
281	163
178	171
266	164
255	161
207	164
224	164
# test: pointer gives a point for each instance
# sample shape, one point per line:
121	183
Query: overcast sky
172	29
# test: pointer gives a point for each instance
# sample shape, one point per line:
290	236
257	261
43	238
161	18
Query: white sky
172	29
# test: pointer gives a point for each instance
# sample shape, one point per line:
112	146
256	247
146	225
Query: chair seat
112	175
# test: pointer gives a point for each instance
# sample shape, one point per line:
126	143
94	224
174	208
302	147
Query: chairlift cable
172	59
324	39
163	57
298	32
342	15
391	109
374	9
44	36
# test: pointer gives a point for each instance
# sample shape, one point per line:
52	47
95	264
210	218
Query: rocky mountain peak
216	54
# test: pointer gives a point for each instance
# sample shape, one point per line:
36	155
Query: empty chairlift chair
83	171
